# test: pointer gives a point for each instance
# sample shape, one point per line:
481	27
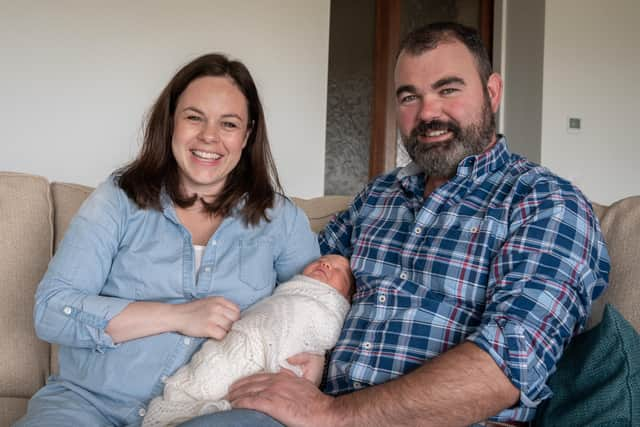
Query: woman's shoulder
109	196
283	207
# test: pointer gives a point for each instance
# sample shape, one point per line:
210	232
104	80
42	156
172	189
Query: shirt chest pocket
257	263
481	234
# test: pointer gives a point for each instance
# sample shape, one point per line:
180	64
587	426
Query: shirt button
141	412
357	385
366	345
418	230
382	299
207	269
164	378
474	229
404	275
67	310
213	243
187	341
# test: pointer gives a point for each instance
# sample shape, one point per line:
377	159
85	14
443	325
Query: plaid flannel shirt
505	255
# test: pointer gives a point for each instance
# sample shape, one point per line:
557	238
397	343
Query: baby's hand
210	317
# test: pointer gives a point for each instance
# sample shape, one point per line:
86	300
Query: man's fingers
286	371
312	365
250	383
302	358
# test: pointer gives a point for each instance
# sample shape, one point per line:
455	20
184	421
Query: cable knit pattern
302	315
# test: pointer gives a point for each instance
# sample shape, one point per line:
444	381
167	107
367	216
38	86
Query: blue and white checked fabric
506	255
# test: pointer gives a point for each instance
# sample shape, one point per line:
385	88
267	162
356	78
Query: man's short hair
428	37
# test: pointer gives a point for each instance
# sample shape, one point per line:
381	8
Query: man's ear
494	88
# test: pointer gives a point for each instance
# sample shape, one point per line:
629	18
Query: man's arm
462	386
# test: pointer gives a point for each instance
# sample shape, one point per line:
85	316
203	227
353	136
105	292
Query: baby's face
333	270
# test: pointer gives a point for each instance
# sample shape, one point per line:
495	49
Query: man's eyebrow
405	88
447	81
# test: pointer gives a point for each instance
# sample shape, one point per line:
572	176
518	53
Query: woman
167	251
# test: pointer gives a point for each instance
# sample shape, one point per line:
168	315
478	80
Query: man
474	267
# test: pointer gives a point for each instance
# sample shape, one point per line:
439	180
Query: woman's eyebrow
194	109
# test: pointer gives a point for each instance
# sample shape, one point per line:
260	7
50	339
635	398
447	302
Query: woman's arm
69	309
298	245
208	317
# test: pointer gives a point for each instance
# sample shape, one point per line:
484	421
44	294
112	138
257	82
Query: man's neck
432	183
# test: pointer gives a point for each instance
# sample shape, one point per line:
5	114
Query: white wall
77	77
592	71
519	58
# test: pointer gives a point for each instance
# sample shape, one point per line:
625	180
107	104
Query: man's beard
441	159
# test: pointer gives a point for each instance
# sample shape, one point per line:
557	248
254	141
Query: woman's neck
200	223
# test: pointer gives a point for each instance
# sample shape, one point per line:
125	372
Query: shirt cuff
510	345
96	312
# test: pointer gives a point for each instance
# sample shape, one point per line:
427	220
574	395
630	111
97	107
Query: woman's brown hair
155	167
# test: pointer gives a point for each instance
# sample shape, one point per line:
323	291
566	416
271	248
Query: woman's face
210	131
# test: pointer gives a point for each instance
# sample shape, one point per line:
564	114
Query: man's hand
292	400
312	366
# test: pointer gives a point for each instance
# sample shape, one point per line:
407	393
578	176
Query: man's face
444	111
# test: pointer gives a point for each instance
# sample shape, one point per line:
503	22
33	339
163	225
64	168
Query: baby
304	314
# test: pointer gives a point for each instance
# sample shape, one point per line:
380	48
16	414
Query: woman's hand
210	317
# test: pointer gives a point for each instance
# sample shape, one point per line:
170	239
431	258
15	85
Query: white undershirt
199	250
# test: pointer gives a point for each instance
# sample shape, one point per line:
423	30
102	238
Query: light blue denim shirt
114	253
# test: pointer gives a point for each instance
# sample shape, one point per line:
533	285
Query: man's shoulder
535	173
530	181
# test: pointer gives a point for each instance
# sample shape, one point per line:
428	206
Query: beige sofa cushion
67	199
620	224
25	250
11	409
321	209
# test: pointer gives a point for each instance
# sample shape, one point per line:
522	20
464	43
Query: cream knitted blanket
302	315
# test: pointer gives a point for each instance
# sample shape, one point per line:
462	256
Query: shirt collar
168	208
478	166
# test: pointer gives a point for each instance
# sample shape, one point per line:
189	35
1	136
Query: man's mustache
423	127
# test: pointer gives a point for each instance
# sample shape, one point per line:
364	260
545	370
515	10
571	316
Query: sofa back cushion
620	223
67	199
26	232
320	210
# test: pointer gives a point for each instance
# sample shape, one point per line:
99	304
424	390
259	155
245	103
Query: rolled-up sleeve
69	308
542	283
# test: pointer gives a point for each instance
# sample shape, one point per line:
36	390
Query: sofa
34	214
